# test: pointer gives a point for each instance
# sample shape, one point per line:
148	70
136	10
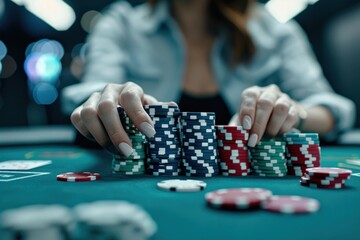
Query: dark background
332	26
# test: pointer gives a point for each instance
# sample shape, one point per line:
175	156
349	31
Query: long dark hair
233	15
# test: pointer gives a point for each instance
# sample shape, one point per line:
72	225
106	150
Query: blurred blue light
44	93
42	67
30	67
46	46
3	50
0	67
49	67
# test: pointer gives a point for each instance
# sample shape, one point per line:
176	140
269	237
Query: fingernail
252	140
247	122
147	129
125	149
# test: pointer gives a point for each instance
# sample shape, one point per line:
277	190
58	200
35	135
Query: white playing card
23	164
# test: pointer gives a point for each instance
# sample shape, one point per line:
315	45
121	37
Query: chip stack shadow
164	149
199	144
134	164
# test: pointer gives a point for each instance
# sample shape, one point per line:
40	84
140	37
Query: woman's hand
97	119
266	110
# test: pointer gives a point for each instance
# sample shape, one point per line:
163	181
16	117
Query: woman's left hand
266	110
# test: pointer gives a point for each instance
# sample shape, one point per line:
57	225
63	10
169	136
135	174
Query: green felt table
185	215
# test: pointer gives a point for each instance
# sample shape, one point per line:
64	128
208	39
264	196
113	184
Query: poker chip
291	204
164	149
177	185
237	198
78	177
199	145
302	151
315	185
328	172
233	151
37	222
110	219
329	178
268	159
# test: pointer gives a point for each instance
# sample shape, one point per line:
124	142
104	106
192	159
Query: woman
228	56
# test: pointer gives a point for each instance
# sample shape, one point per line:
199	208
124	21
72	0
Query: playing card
23	164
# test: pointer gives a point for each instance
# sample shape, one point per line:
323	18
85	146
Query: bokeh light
46	46
0	67
44	93
9	67
43	68
30	66
89	19
79	50
49	67
3	50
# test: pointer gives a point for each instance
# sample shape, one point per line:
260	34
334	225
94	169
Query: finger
264	108
131	100
107	109
278	116
234	121
291	120
149	100
90	118
248	106
75	119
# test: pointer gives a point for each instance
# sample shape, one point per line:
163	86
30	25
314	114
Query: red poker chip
322	181
328	172
314	185
78	177
237	198
327	177
291	204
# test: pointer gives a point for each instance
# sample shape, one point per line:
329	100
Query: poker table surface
185	215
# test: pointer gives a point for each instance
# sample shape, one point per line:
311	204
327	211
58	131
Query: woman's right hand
98	120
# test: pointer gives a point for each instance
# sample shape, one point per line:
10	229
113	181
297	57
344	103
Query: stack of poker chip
164	149
199	144
330	178
113	220
233	151
268	159
302	151
134	164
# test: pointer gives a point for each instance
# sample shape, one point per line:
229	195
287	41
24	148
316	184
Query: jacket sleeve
302	78
105	57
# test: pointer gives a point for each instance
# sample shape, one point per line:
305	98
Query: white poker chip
177	185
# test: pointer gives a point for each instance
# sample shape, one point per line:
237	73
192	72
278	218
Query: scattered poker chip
177	185
314	185
328	172
323	182
329	178
78	177
237	198
291	204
